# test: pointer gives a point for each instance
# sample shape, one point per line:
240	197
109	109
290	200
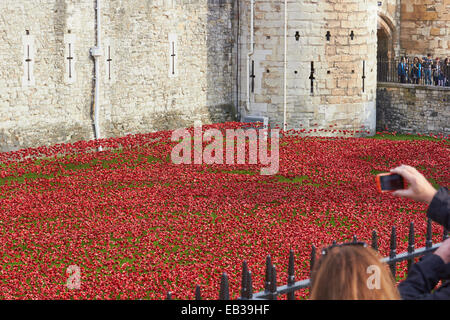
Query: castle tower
326	75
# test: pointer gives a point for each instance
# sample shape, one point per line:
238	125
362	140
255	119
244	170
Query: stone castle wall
138	93
167	63
339	63
425	27
389	28
414	27
408	108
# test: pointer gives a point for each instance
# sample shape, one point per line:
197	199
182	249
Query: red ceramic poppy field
136	225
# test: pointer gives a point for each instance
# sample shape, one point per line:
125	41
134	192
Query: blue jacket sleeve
423	278
439	208
399	69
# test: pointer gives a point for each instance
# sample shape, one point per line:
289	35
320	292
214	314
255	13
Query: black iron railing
391	71
272	291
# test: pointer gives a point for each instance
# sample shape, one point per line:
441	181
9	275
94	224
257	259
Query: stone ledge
407	108
412	86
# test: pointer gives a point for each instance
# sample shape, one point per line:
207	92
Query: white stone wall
140	96
338	96
46	98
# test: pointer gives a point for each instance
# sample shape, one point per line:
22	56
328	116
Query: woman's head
352	272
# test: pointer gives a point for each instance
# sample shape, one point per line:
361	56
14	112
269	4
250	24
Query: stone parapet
408	108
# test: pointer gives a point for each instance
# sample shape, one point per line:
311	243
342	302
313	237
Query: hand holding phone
388	182
419	188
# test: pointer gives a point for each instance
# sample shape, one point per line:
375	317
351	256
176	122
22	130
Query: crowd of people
425	70
342	271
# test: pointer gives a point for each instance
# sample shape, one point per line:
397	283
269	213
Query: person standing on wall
408	70
447	72
401	71
427	62
441	77
416	70
436	71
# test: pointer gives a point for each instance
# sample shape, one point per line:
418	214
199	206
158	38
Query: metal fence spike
393	244
224	293
268	272
312	259
198	295
429	241
291	274
374	240
249	285
393	250
169	295
291	268
411	237
411	241
273	283
244	288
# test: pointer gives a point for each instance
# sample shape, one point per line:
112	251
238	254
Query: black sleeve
423	278
439	208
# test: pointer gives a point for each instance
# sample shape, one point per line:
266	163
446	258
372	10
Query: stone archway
386	35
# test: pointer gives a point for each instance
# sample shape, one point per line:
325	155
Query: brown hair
343	274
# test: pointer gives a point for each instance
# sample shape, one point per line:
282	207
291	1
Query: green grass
248	172
21	179
402	137
72	165
433	182
299	179
375	172
296	212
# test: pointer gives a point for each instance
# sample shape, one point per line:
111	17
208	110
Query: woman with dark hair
441	77
408	70
446	70
436	71
401	71
416	69
352	271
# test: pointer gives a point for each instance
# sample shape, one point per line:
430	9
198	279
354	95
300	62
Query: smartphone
387	182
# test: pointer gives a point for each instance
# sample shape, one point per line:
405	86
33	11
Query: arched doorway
385	34
383	49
